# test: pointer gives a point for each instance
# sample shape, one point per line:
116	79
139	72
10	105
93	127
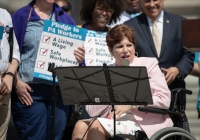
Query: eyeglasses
66	8
149	1
101	10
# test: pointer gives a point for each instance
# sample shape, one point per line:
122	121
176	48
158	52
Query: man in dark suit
174	61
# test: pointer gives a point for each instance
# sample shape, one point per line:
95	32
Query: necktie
156	37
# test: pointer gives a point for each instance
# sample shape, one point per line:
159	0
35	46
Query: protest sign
57	44
96	49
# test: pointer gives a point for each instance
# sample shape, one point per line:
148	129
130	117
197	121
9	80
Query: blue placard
57	44
92	33
44	76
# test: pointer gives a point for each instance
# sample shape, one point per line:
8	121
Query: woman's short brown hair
118	33
87	8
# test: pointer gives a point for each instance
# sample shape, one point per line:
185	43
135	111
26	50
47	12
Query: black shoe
198	111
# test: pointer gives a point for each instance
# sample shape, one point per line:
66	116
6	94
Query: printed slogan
57	44
96	49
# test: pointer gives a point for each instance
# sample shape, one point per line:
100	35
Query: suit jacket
161	96
172	52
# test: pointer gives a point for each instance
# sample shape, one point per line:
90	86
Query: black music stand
51	68
122	85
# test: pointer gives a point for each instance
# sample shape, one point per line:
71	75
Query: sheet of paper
57	44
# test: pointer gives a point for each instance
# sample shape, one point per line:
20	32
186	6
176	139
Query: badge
7	29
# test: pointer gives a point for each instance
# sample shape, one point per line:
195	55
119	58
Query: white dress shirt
124	17
5	18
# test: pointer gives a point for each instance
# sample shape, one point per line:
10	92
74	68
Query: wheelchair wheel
172	133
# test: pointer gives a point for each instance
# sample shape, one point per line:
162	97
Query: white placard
96	49
57	44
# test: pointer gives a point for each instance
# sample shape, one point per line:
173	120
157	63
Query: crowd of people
140	31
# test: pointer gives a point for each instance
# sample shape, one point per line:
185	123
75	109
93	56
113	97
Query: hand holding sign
79	54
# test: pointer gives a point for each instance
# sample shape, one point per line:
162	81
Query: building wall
187	8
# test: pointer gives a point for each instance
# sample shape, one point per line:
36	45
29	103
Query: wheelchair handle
182	91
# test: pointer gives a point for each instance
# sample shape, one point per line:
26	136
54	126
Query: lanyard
50	18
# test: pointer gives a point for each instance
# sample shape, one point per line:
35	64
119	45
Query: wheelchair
177	114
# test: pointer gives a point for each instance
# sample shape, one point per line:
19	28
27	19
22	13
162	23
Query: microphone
125	62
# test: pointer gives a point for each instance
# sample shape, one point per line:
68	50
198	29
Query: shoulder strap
10	41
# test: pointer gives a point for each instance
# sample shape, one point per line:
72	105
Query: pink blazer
161	95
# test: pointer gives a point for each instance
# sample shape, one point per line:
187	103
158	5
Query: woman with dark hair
98	13
121	44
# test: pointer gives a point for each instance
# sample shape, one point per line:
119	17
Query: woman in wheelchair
121	44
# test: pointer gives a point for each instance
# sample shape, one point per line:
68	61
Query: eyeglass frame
149	1
101	10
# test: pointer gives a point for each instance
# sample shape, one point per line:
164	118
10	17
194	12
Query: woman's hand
4	88
8	81
79	54
22	90
119	110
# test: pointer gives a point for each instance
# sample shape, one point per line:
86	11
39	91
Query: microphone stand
110	91
54	96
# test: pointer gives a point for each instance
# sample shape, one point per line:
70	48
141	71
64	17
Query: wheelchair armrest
181	90
153	110
162	111
158	111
